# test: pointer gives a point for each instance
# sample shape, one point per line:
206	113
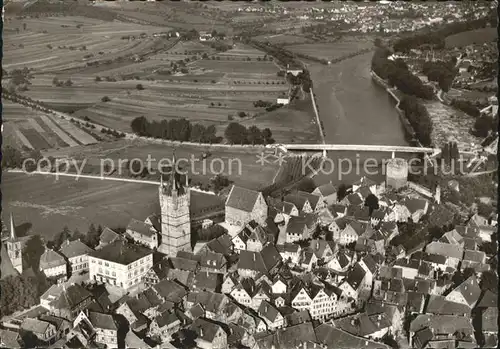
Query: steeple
12	228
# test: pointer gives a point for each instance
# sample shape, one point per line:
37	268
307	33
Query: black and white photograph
249	174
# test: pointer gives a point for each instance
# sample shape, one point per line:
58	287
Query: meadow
331	51
249	174
49	204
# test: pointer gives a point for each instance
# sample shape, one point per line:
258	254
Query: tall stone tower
15	248
175	215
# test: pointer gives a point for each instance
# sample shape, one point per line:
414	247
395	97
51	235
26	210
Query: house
154	221
290	251
209	281
309	260
251	239
439	305
339	210
322	249
416	207
300	297
264	262
365	182
244	291
61	325
43	330
133	341
229	283
170	291
271	315
316	201
134	310
210	335
324	301
158	272
53	264
442	327
213	303
164	325
475	260
467	292
353	199
297	318
10	339
142	233
363	325
279	285
451	253
341	261
77	254
107	237
300	202
350	232
262	293
66	302
120	264
212	262
105	328
353	283
329	193
244	205
283	101
296	230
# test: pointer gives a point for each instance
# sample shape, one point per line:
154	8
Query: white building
77	254
53	264
120	264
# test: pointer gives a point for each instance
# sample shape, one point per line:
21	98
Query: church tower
15	248
175	215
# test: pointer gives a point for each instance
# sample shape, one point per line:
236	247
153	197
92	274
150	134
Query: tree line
175	130
236	133
419	118
441	72
396	72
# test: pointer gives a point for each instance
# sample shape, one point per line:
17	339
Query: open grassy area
478	36
330	51
240	165
49	205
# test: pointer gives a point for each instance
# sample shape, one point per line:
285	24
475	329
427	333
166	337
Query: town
281	253
306	270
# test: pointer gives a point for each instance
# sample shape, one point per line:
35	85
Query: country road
103	178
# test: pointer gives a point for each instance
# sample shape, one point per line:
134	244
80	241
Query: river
354	110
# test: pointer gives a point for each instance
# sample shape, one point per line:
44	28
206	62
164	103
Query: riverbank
318	120
408	128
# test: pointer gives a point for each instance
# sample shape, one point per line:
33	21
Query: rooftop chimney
254	257
201	332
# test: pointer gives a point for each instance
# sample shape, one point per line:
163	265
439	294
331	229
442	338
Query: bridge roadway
359	147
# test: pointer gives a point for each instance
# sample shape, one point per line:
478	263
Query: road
103	178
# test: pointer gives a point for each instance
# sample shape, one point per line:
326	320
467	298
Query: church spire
12	228
174	171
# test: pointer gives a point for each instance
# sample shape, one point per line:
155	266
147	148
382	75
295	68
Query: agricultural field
49	204
249	174
283	39
28	129
60	43
331	51
478	36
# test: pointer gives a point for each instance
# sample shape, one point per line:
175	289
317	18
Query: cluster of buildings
309	270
